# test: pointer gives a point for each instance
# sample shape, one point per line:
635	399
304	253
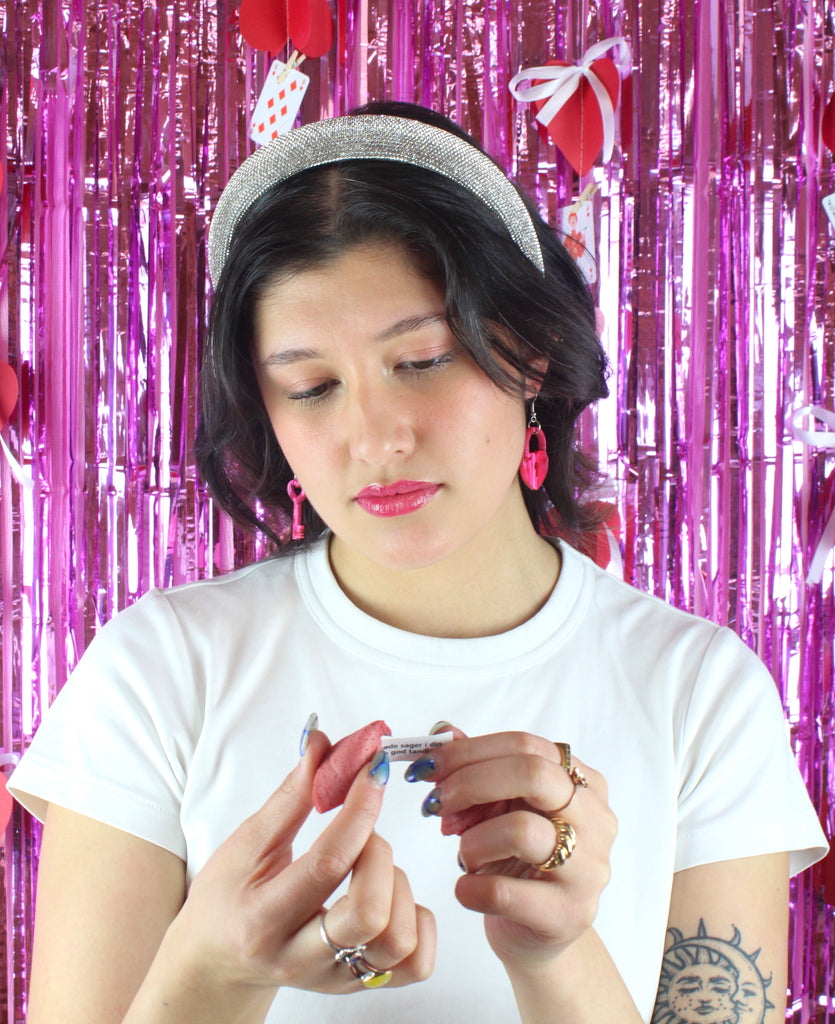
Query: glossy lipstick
397	499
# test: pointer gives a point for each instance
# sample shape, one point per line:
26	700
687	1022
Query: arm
727	943
117	941
725	962
105	900
539	924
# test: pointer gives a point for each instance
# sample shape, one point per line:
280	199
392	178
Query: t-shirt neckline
381	643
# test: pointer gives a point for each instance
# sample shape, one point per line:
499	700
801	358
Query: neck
479	592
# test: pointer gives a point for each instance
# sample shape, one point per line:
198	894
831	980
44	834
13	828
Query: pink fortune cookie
339	768
458	822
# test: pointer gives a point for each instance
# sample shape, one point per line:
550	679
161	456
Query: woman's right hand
252	915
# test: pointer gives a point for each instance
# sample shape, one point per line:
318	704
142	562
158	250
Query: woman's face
404	447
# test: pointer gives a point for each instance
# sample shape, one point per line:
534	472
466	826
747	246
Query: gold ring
565	754
579	781
563	847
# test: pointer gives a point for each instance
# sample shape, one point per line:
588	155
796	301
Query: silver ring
353	957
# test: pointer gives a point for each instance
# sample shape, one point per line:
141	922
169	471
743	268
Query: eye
311	396
425	365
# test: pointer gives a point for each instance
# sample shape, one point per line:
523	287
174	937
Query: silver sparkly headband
369	137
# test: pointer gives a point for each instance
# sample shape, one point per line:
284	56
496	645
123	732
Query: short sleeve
741	793
117	742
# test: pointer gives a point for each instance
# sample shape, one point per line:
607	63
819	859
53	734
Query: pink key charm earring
296	494
534	467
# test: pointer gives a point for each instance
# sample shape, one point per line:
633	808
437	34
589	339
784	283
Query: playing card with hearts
576	225
278	104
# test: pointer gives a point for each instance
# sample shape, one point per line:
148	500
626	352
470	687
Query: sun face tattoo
705	980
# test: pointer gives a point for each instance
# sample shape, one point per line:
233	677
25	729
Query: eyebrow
404	326
409	324
289	355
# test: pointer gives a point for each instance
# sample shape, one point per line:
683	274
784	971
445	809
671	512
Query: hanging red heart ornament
268	24
6	805
828	124
576	102
577	127
263	24
313	34
9	391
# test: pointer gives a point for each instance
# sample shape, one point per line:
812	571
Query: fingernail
441	726
379	769
432	804
309	726
420	770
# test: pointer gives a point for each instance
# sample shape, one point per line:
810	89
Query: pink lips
396	499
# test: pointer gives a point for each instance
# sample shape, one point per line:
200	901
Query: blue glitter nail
420	770
432	804
379	770
309	726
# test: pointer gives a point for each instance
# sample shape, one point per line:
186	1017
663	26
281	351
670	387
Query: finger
465	750
398	940
366	909
540	782
547	909
316	968
309	881
522	834
444	726
418	966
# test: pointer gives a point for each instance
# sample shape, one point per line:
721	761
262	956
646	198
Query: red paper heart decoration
9	390
577	127
317	40
267	25
828	124
596	543
6	804
263	23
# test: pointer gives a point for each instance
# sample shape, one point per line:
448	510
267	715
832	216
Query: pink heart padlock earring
534	467
296	494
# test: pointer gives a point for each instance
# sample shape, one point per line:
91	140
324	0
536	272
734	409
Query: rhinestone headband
369	137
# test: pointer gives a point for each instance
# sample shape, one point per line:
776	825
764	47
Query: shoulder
233	596
680	656
638	620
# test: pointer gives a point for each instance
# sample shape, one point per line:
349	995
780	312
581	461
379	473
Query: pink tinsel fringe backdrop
122	120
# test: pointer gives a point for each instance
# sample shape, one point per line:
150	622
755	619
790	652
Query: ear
533	382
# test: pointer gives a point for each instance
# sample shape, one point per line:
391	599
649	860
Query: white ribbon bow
558	84
817	439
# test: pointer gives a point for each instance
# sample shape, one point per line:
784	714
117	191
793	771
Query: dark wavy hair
499	306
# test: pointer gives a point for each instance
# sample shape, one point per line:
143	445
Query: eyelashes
414	368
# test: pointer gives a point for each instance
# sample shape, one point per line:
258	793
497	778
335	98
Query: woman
392	326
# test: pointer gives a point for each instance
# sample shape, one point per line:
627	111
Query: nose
380	426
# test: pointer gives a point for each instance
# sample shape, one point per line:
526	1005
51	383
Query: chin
409	553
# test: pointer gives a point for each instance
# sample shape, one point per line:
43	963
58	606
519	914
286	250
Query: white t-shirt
185	713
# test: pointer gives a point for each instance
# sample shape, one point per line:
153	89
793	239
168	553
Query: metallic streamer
124	120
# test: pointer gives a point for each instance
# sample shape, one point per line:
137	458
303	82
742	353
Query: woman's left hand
531	916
